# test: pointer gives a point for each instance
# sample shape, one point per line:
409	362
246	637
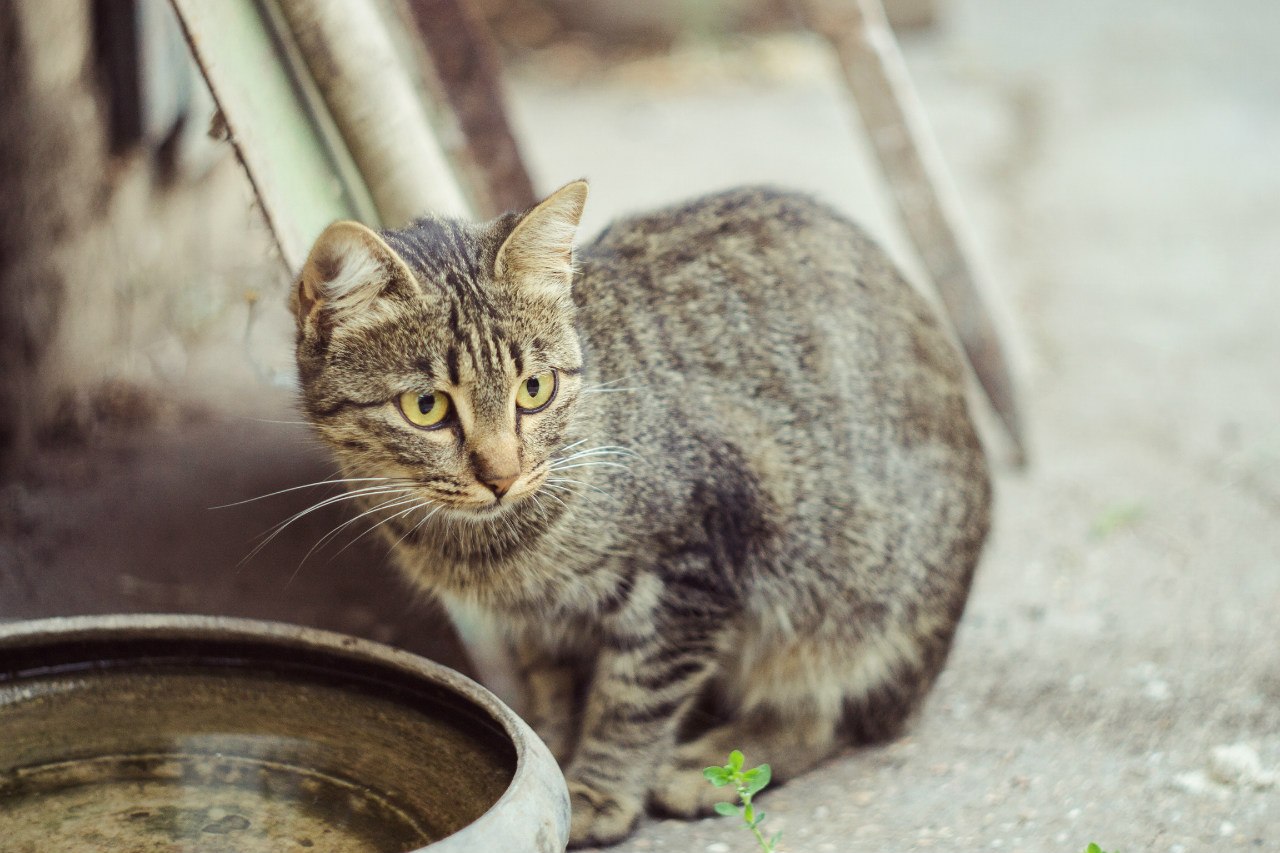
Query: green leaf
760	816
757	779
717	776
735	760
1093	848
726	809
749	814
1115	518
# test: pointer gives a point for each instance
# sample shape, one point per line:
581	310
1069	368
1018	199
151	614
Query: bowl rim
535	769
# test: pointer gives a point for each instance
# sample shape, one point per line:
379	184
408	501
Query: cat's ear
537	256
348	270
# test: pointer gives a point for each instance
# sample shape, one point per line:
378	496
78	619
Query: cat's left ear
537	256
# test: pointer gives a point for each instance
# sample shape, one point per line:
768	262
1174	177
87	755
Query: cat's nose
501	485
497	465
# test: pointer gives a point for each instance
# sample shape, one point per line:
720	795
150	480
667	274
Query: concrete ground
1117	676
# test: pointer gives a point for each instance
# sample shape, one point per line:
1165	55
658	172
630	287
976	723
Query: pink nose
501	485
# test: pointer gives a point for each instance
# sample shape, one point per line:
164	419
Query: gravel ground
1117	677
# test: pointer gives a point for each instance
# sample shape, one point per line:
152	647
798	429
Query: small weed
1093	848
1116	518
748	783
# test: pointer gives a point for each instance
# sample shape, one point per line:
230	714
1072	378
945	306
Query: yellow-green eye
425	410
535	392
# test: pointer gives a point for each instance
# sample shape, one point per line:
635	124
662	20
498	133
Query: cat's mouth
493	503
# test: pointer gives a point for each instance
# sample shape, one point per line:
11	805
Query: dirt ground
1117	676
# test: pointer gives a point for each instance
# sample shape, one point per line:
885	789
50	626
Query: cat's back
767	296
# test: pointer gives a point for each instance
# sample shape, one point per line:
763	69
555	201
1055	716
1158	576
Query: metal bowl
175	733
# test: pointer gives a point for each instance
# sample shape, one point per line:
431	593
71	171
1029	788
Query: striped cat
713	475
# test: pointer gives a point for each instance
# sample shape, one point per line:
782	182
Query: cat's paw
684	792
599	817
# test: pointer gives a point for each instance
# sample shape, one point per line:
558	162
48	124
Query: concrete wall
114	266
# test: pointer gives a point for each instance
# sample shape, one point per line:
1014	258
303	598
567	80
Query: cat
713	475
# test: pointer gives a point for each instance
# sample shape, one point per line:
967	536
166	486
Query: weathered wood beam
881	89
465	60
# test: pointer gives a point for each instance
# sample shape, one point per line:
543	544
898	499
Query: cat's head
445	354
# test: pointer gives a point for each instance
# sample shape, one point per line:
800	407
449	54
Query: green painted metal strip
301	170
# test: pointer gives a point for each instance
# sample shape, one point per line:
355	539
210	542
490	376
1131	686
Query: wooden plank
877	79
461	51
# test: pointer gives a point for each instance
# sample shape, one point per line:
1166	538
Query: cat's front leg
549	684
638	696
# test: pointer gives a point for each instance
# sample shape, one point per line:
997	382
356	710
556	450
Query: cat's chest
566	574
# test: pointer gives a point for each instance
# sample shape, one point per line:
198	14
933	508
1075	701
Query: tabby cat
713	475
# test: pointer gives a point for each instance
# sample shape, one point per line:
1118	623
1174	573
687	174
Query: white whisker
607	384
607	450
559	480
328	482
551	493
270	421
414	529
420	503
396	500
594	464
279	528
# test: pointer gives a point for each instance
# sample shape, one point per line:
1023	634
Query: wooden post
460	49
877	78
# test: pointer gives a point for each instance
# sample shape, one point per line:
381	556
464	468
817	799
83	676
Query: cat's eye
425	410
533	394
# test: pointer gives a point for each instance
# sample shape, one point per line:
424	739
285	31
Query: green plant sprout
748	783
1093	848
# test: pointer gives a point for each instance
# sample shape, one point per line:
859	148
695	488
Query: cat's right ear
537	256
350	268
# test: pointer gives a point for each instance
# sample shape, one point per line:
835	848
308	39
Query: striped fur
768	534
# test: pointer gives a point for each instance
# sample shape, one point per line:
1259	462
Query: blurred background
1117	677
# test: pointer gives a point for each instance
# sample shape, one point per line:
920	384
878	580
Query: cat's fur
777	560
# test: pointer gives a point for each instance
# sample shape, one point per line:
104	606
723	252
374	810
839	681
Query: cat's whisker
415	528
582	483
367	491
609	390
329	482
533	496
605	450
599	463
551	493
398	499
280	528
510	529
607	384
591	458
420	503
575	444
271	421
